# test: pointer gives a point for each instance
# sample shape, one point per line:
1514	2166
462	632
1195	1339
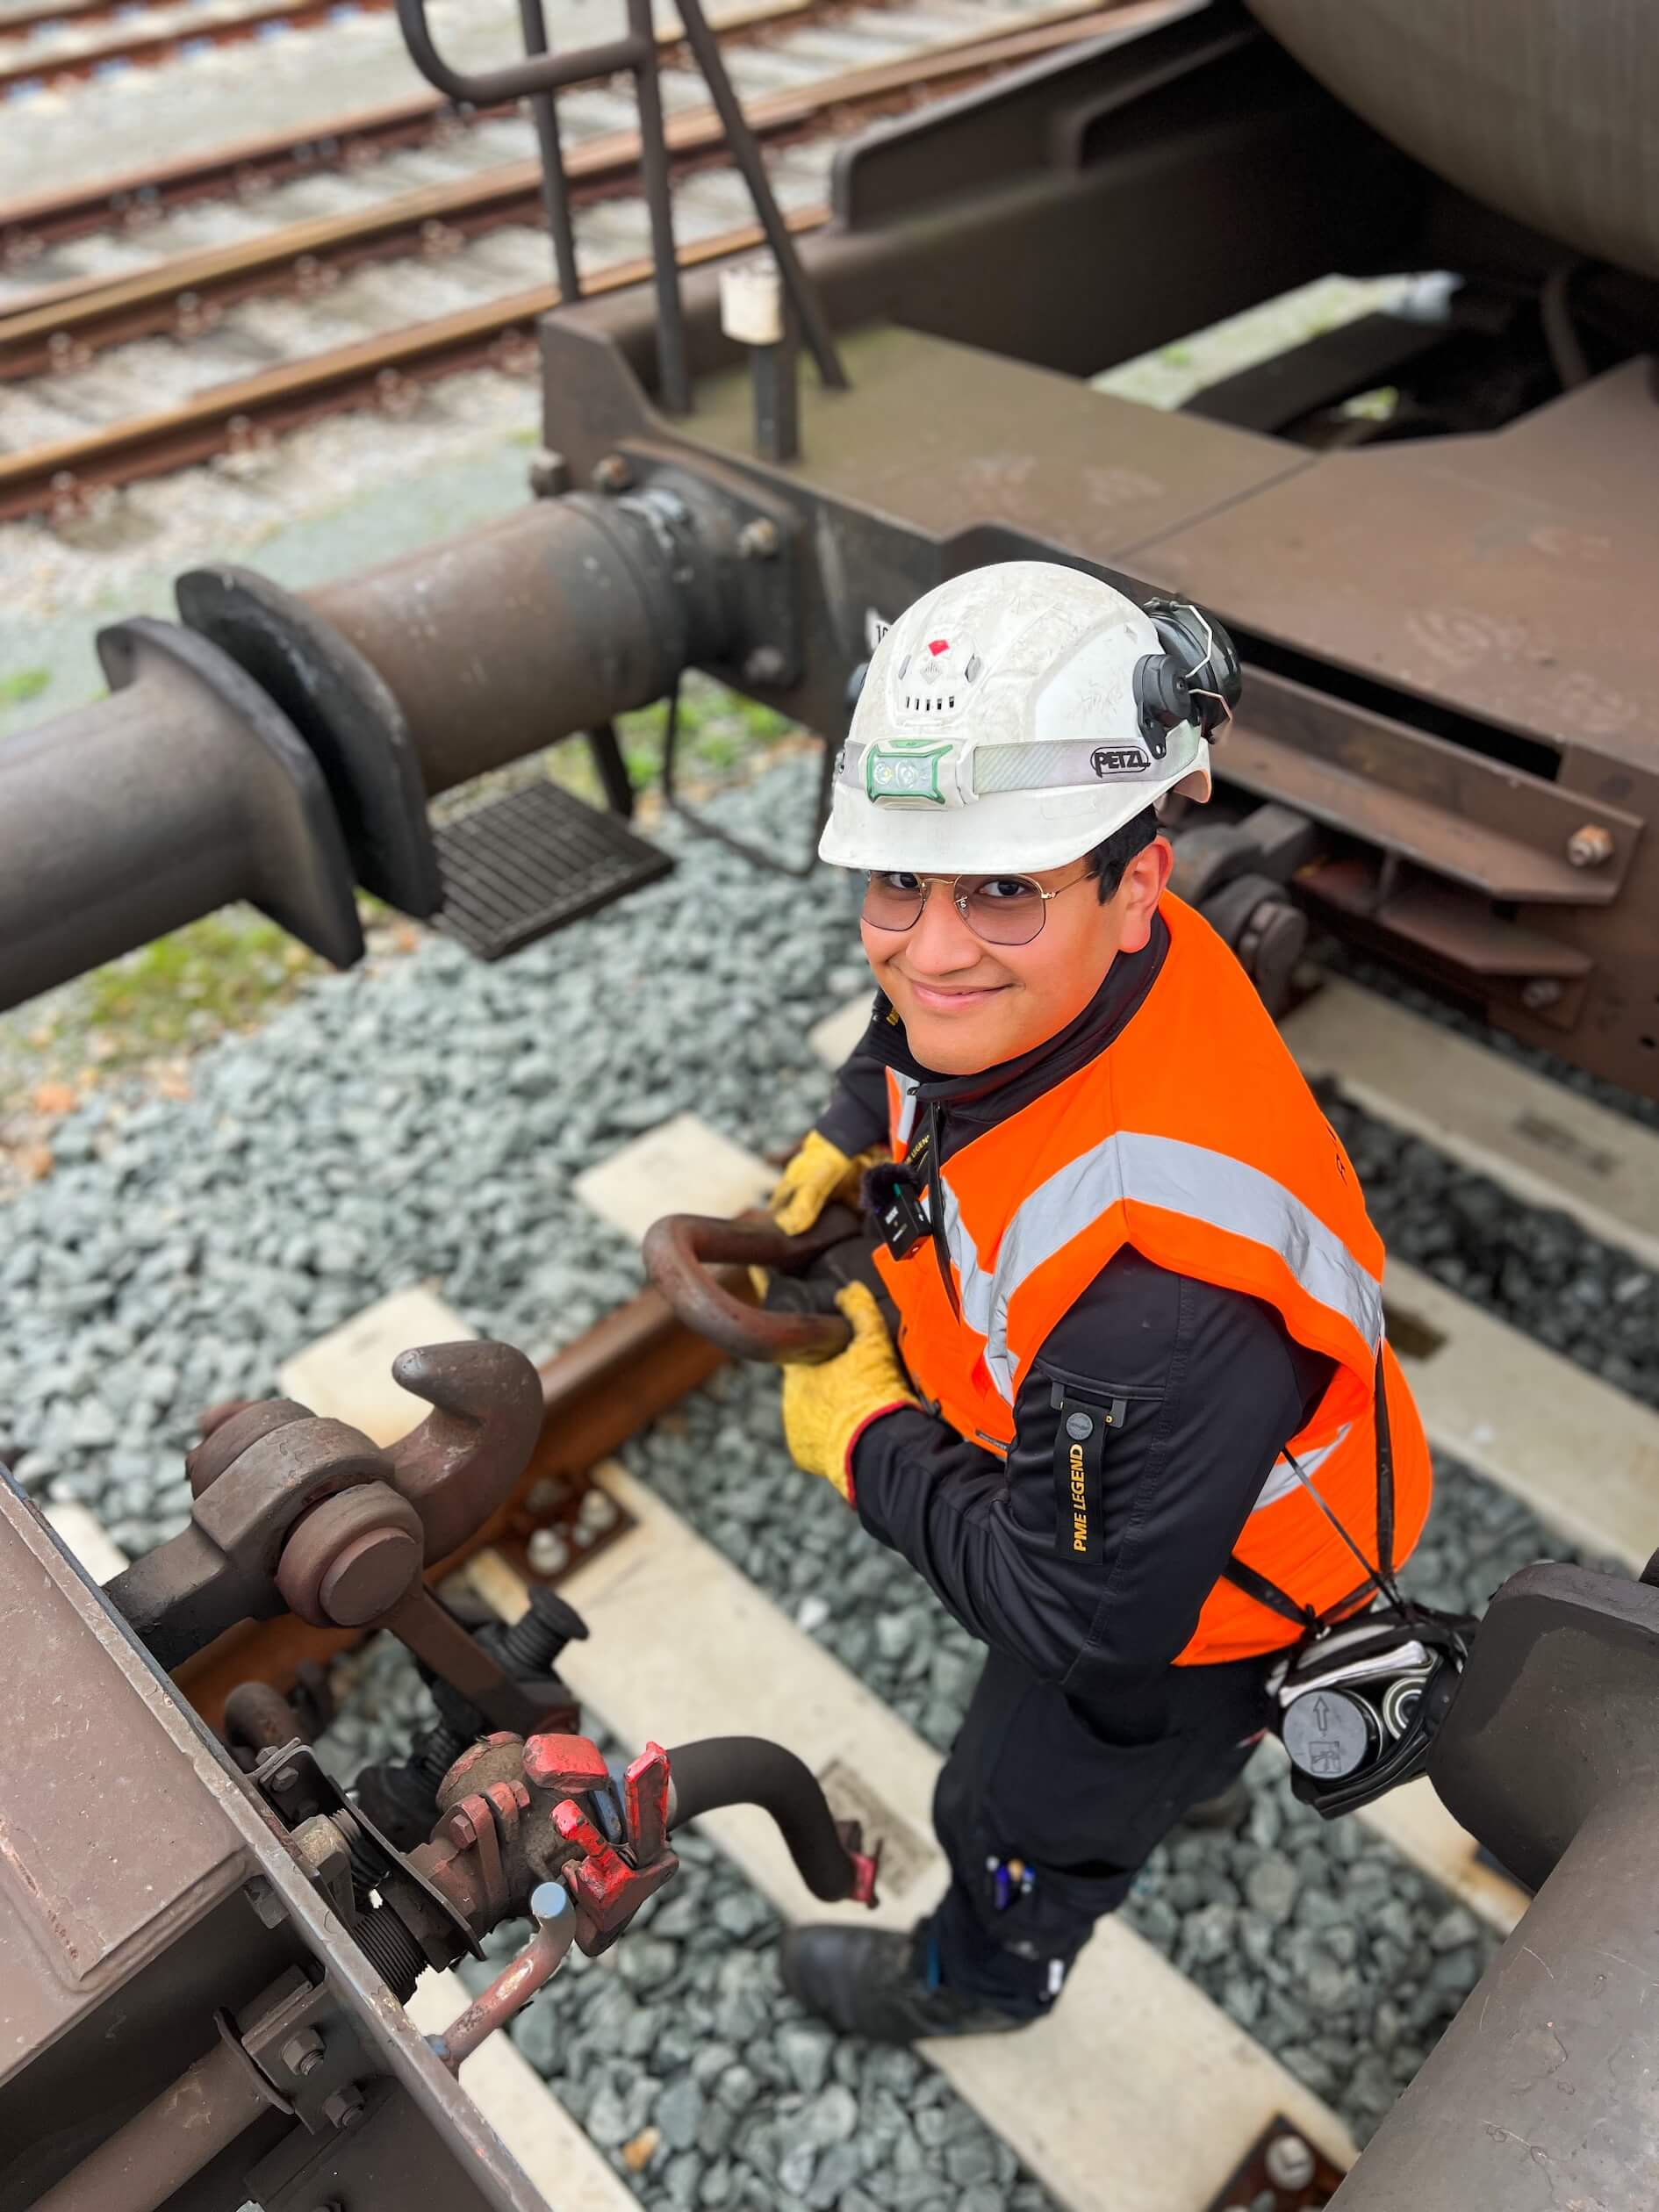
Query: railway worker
1139	1312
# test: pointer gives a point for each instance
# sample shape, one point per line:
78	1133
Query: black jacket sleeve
856	1117
1213	1386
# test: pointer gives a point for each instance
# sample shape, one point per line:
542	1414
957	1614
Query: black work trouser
1031	1778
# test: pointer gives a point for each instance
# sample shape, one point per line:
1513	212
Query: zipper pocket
1089	1387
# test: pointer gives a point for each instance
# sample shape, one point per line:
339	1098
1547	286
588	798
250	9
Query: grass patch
225	971
23	685
718	728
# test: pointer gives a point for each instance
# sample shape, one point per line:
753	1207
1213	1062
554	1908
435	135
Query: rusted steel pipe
174	2138
258	1718
513	1987
187	787
680	1251
553	620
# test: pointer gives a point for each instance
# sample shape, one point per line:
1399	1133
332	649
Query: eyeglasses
1000	910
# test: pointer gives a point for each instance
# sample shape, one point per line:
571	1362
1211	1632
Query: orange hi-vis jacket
1193	1138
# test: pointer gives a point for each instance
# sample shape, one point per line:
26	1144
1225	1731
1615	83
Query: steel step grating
529	863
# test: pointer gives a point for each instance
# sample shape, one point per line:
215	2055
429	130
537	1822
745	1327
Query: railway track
30	56
134	200
41	46
64	328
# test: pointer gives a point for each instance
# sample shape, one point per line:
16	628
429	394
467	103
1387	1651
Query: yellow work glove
827	1408
819	1173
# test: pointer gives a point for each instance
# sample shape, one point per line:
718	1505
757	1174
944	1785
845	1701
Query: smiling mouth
945	1001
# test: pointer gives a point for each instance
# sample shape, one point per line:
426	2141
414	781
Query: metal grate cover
530	862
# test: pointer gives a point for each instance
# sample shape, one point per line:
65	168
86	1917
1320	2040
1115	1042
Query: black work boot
865	1981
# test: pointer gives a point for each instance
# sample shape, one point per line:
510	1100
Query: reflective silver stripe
1206	1185
1281	1477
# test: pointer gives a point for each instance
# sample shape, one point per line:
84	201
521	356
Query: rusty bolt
614	473
1590	846
759	540
345	2108
369	1575
458	1826
550	473
302	2054
1542	991
764	666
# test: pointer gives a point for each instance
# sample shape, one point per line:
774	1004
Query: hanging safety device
1359	1701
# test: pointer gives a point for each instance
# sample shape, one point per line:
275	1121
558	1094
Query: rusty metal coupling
298	1513
681	1249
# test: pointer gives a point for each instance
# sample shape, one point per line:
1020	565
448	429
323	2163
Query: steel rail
20	67
236	417
64	323
132	197
150	46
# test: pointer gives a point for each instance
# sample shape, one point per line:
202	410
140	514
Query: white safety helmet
1015	716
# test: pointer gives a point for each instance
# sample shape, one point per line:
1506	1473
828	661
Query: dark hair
1108	859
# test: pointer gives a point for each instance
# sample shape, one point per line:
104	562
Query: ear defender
1196	676
1162	699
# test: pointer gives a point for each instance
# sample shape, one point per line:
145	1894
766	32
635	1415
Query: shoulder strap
1267	1593
1276	1600
1384	1478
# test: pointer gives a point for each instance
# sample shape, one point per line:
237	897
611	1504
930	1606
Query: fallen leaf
53	1098
33	1162
636	2155
173	1082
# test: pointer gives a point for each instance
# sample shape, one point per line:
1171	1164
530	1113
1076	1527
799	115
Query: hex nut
614	473
345	2108
302	2054
1590	846
759	540
550	473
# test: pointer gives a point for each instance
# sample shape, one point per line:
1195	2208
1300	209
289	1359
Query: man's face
967	1005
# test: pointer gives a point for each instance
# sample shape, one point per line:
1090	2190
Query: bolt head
612	473
764	666
1290	2162
459	1828
550	473
1590	846
345	2108
369	1575
759	540
548	1552
1542	992
302	2054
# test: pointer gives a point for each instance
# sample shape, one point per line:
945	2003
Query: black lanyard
1379	1578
